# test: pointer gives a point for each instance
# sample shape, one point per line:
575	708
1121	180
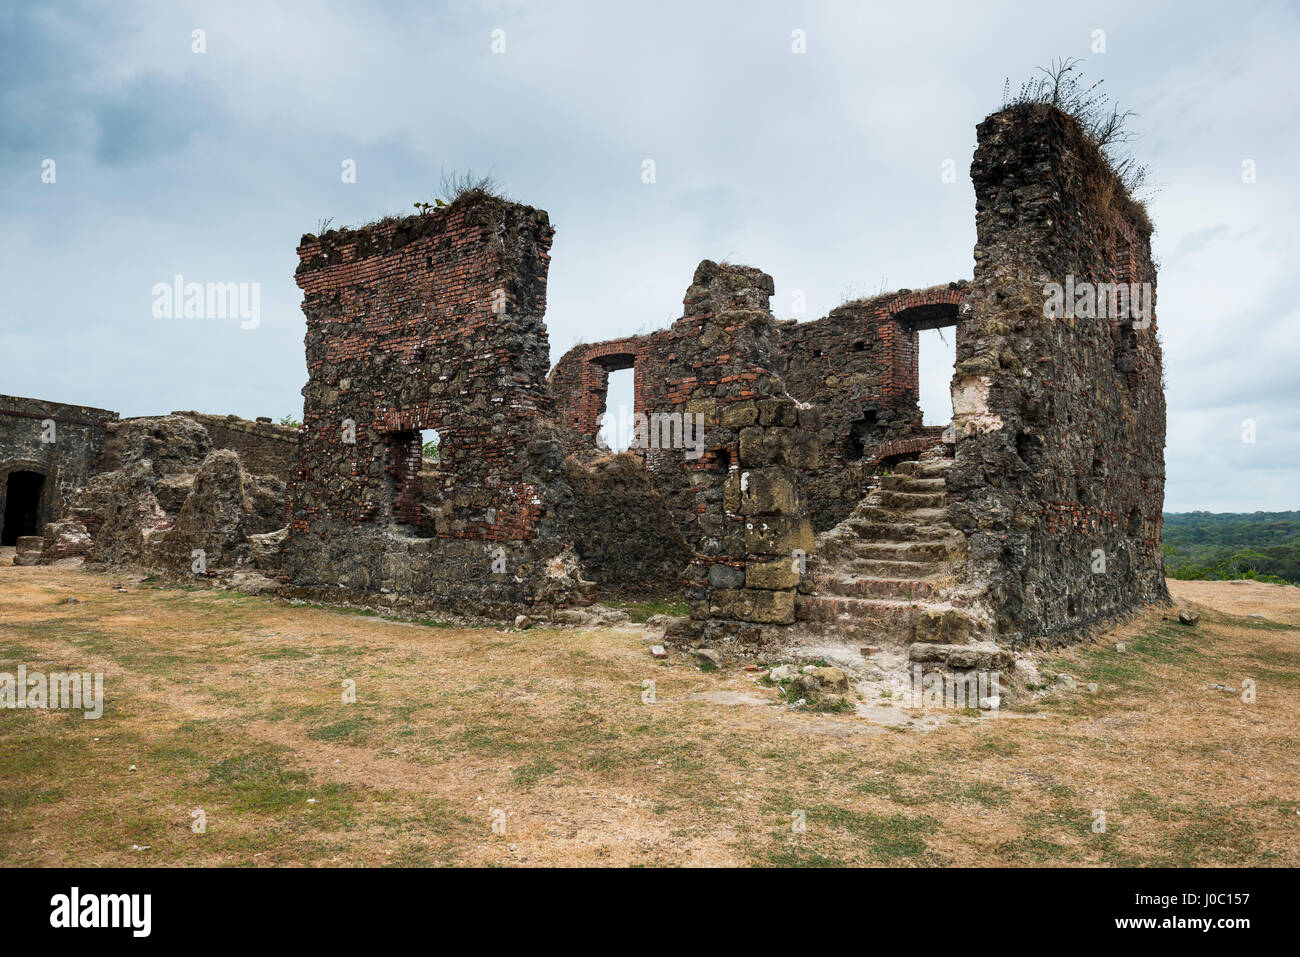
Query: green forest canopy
1226	545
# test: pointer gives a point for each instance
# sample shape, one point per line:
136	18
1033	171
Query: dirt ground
543	747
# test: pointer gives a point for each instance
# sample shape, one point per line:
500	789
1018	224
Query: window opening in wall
620	403
864	434
937	355
403	460
429	446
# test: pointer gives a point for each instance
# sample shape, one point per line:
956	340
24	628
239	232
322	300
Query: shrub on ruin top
1061	86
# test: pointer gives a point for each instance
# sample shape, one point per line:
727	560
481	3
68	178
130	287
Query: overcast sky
822	168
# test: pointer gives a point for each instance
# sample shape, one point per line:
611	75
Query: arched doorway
24	495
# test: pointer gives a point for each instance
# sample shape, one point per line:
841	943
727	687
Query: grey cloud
823	169
1194	242
150	118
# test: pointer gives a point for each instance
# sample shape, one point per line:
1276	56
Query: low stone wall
622	528
264	447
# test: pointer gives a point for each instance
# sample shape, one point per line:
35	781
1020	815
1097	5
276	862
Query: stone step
884	568
899	531
912	500
898	589
932	468
916	516
919	551
876	618
985	656
944	624
923	467
910	483
912	622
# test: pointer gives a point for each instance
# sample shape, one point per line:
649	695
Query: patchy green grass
230	705
641	611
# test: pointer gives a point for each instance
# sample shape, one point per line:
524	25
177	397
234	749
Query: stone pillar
746	522
776	440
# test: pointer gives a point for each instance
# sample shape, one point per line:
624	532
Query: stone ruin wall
431	323
435	322
149	491
747	524
735	497
623	530
266	448
631	511
858	366
64	464
579	383
1060	421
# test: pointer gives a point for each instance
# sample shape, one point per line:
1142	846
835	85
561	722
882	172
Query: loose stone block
753	605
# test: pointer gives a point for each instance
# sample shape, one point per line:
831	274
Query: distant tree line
1264	546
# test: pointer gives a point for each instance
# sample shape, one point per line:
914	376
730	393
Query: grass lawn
232	705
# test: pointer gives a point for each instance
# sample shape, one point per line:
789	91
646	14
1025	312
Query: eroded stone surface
1035	514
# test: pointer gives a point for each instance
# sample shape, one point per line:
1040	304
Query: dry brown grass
232	704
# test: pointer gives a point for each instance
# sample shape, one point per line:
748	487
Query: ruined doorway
403	459
620	402
864	433
23	491
929	364
936	359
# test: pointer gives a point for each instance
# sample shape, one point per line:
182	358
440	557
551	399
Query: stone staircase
884	576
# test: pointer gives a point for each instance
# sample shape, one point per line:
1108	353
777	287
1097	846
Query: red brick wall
422	323
579	383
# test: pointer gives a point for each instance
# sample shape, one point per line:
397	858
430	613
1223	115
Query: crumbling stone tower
1059	477
430	323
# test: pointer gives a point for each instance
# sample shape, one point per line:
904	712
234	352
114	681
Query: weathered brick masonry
581	379
716	366
1060	421
429	323
1047	520
742	510
1058	425
858	366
